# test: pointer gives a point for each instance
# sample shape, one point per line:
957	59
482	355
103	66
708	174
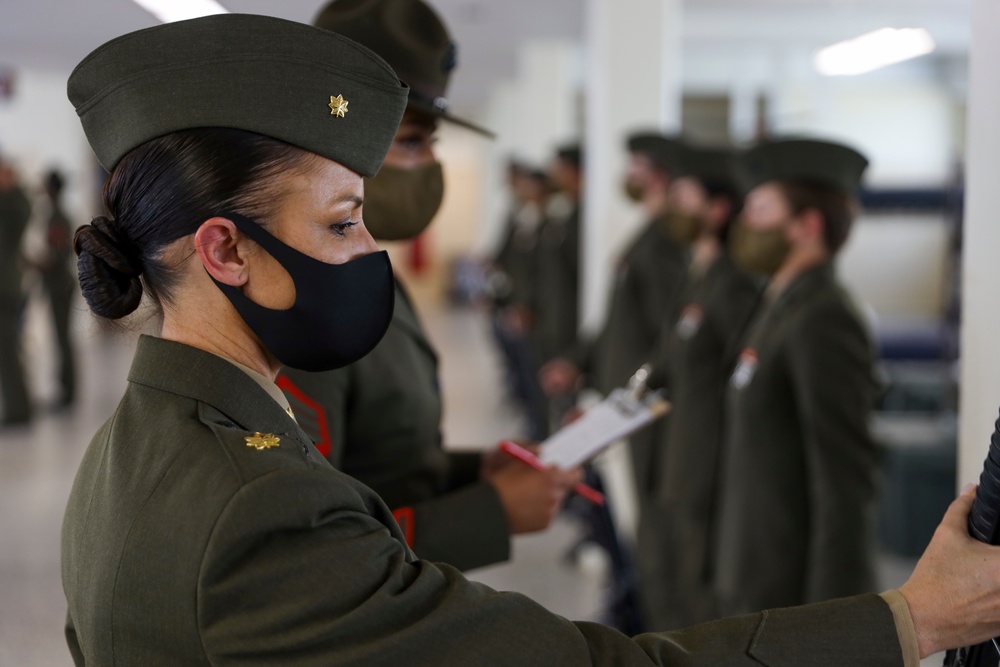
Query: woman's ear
806	227
217	243
814	225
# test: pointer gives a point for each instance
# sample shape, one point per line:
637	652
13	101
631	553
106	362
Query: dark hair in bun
109	270
162	191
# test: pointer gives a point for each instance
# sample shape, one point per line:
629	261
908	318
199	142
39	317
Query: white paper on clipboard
614	418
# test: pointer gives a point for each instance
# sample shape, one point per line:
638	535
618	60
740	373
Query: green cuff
465	529
464	468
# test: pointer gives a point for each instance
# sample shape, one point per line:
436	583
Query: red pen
526	457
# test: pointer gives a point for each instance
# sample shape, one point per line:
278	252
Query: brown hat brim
443	114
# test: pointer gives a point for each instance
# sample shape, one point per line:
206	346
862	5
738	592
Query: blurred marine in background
697	352
801	475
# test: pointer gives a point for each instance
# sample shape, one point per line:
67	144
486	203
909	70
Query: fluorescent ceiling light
169	11
872	51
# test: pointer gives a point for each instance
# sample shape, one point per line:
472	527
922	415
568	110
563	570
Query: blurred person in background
517	263
15	212
556	305
648	278
801	470
499	283
646	286
557	294
59	283
696	354
379	419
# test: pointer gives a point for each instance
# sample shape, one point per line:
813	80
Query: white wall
531	114
39	129
905	129
897	265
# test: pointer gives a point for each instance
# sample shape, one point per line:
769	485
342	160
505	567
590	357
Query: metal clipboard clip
632	399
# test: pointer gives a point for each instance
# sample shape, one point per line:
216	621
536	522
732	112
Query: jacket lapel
406	318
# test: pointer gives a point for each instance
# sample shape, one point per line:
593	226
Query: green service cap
710	165
804	161
412	38
305	86
663	151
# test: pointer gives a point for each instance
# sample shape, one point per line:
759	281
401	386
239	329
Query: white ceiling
56	34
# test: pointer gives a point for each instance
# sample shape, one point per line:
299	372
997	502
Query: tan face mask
759	250
400	203
633	191
683	228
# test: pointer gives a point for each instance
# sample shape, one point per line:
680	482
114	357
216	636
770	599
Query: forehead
640	160
319	178
688	186
767	194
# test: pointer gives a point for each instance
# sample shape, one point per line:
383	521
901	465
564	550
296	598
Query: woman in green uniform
204	528
695	356
379	419
801	476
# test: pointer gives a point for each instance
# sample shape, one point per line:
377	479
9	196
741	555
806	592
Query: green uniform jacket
517	260
646	287
696	356
182	545
556	304
801	476
379	420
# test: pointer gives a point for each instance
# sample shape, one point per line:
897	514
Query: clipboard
619	415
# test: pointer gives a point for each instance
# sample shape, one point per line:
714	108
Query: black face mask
341	311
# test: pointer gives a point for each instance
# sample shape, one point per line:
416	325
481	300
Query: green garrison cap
305	86
663	151
804	161
710	165
412	38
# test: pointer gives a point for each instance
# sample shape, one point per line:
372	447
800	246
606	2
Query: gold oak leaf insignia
265	441
338	106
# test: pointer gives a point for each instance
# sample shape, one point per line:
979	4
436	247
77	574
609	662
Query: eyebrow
355	199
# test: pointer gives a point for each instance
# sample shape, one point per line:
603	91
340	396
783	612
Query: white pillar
633	54
980	365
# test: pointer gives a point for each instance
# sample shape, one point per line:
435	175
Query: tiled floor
37	466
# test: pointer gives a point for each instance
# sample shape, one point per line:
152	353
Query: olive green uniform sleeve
830	362
464	467
466	528
268	595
